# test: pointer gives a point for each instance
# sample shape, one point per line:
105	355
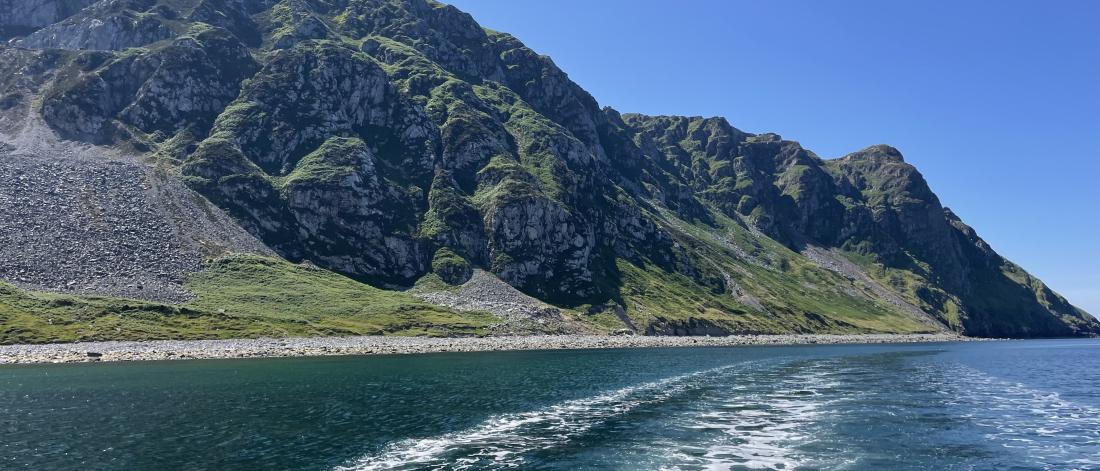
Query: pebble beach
383	345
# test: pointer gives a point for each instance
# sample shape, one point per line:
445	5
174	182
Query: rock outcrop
20	17
389	140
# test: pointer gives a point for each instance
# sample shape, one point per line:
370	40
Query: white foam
1041	425
764	428
502	440
763	422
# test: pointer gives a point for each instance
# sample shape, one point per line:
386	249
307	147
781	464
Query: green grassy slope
238	297
393	141
770	289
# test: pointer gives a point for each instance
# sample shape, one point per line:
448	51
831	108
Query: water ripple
1040	426
502	441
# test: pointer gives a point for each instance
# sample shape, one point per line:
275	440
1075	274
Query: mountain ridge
400	144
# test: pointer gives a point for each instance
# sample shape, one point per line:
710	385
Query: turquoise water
995	405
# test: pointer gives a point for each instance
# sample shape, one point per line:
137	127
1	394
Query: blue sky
997	103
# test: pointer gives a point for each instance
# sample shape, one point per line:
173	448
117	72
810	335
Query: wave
785	415
502	441
1039	426
761	422
768	435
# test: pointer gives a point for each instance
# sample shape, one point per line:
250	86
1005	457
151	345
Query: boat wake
1039	426
756	424
765	427
502	441
838	413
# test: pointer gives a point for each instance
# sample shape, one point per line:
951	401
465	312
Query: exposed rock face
389	139
20	17
348	203
869	203
292	22
180	86
233	16
111	25
537	242
691	326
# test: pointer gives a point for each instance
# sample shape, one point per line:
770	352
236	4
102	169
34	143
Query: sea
996	405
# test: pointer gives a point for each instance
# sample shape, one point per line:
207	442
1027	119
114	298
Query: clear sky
997	103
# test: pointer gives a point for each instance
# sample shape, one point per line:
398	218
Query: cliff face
375	138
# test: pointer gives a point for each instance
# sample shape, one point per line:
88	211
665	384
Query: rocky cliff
399	143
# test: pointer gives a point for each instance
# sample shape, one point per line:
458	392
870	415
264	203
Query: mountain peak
878	152
399	144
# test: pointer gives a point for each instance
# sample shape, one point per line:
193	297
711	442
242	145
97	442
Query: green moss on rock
451	267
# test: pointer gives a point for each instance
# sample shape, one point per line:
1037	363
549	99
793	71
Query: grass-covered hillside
294	167
234	298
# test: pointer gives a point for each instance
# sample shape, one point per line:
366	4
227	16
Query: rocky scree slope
395	142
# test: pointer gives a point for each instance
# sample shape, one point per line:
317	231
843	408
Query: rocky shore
378	345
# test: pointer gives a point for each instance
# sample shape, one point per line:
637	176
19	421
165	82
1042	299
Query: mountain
214	168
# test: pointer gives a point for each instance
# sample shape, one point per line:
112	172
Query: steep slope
399	143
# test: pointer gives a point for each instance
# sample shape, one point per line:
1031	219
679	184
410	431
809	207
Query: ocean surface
973	406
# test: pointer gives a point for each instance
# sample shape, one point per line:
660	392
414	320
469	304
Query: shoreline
156	350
